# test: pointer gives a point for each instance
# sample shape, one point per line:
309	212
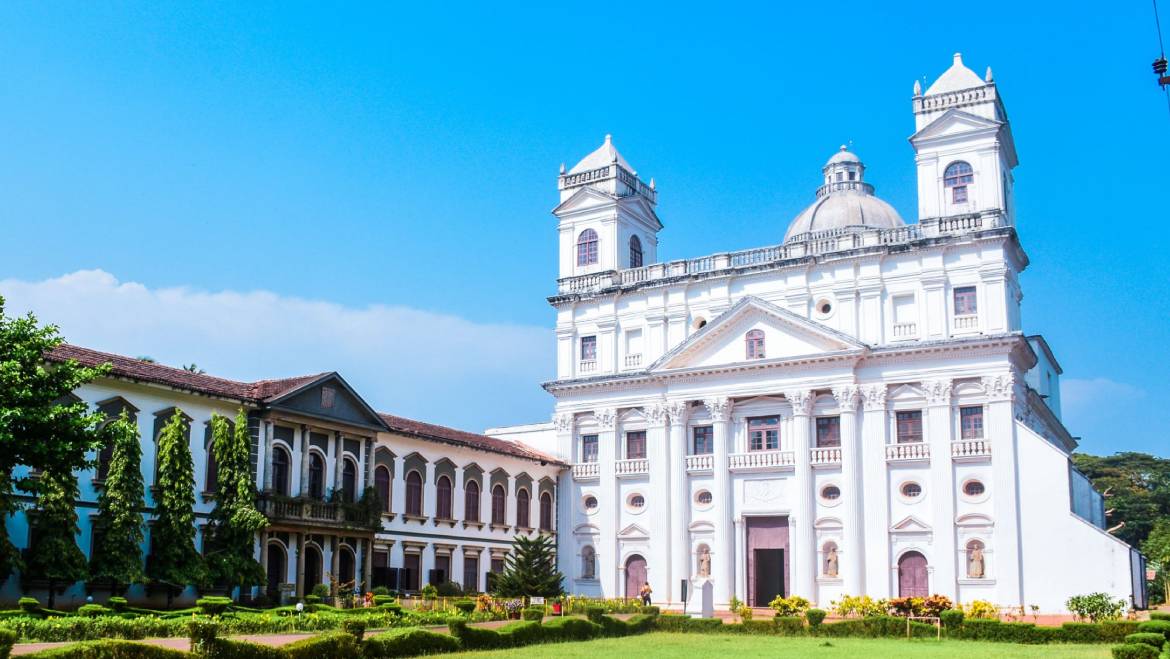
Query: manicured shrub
212	605
650	610
93	610
571	629
789	625
877	627
533	613
1159	615
335	645
29	605
8	638
465	606
1096	606
860	606
222	648
313	599
476	638
355	628
756	627
109	649
1155	626
521	633
117	603
672	622
815	617
380	590
951	618
1113	631
639	623
1149	638
793	605
594	613
1134	651
611	626
408	642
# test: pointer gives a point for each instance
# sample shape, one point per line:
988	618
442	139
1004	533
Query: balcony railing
633	360
761	460
908	452
966	323
700	463
587	365
827	456
962	449
635	467
585	471
905	330
312	512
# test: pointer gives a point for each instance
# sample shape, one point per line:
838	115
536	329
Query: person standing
644	593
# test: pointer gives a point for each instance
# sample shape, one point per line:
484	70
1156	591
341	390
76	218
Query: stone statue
588	565
704	561
831	562
975	563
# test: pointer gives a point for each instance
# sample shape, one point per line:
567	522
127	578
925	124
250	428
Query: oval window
831	493
911	490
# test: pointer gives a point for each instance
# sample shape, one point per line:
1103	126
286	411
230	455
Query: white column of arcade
874	473
723	562
680	549
803	539
853	553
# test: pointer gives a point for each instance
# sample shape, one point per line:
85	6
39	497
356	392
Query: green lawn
737	647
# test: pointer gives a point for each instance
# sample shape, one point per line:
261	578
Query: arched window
635	252
546	523
443	498
754	341
522	509
471	501
280	461
347	568
588	563
414	494
382	485
349	481
587	247
498	505
316	475
957	177
212	470
103	461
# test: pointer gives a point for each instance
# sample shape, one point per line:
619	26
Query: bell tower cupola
606	217
963	147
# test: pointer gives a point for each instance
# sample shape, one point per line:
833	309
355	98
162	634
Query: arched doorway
277	569
912	577
345	568
635	575
312	568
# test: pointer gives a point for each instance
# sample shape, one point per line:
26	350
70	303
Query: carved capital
938	392
655	413
606	418
1000	387
563	421
847	397
677	411
719	408
874	396
801	401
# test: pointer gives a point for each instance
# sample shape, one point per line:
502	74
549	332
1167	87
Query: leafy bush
465	606
1096	606
335	645
1134	651
594	613
934	605
429	592
572	629
29	605
533	613
408	642
756	627
952	618
673	622
789	625
313	599
213	606
355	628
650	610
877	627
93	610
815	617
1159	615
475	638
380	590
380	600
8	638
981	609
793	605
1113	631
449	589
109	649
1149	638
863	606
1155	626
745	612
321	590
117	603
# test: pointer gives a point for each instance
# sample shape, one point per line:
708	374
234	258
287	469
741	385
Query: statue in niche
588	563
831	562
704	562
975	561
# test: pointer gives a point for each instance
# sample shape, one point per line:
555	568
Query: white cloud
436	367
1079	394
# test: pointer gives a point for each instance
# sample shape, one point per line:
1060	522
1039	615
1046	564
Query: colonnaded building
857	410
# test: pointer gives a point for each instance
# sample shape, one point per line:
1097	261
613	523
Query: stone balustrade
761	460
907	452
587	365
700	463
904	330
634	467
825	456
633	360
967	322
586	471
964	449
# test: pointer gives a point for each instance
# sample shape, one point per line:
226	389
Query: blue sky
360	174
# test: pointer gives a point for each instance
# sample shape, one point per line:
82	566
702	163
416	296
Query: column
567	492
264	448
658	451
300	565
741	566
723	561
608	516
680	534
457	564
802	539
360	476
398	486
367	565
457	501
368	465
853	552
426	564
303	486
876	491
939	426
333	559
1000	429
264	555
338	460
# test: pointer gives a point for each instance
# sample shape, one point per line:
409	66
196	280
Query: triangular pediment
588	199
787	336
633	531
911	524
955	122
329	397
584	199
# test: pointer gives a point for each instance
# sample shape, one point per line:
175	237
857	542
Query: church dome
845	201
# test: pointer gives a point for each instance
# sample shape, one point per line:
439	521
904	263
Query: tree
174	561
1157	550
1137	489
530	569
235	519
54	555
117	551
41	424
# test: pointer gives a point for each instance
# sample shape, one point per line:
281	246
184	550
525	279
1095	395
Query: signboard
536	600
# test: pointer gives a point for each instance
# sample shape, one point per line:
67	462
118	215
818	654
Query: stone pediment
634	531
329	397
584	199
787	336
911	524
955	122
974	519
586	529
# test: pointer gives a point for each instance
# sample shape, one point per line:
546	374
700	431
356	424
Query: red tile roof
265	390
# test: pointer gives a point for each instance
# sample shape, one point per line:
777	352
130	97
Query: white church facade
857	410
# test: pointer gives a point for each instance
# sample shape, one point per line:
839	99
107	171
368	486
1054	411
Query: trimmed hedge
7	640
1155	626
213	605
1152	639
594	613
815	617
673	622
533	613
788	625
111	649
408	642
1159	615
951	618
335	645
1134	651
877	627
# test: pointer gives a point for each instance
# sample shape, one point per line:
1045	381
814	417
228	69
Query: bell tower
606	217
963	146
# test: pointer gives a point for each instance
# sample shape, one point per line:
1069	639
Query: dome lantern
845	202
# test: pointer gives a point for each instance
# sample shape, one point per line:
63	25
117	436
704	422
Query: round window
831	493
823	308
973	488
703	498
911	490
590	503
637	501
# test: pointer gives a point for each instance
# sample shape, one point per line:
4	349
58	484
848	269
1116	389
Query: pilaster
658	450
608	516
848	397
264	462
875	491
723	558
940	421
1002	392
567	493
303	482
676	412
803	537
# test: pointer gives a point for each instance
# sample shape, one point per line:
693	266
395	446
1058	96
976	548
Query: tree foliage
174	560
530	569
117	554
1137	488
1157	550
54	555
235	519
